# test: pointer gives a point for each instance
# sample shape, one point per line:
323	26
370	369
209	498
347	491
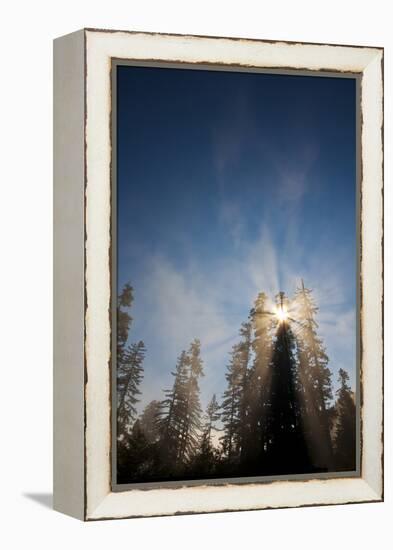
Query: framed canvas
218	267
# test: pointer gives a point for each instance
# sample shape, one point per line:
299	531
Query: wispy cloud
230	135
178	304
293	171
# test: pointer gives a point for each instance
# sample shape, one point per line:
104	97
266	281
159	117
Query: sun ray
281	313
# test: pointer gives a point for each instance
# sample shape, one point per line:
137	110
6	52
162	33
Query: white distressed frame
100	47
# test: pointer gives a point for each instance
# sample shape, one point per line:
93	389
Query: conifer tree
315	380
148	421
283	430
206	457
173	410
211	417
345	432
191	420
231	406
124	319
257	388
234	406
180	415
134	456
244	356
129	365
129	377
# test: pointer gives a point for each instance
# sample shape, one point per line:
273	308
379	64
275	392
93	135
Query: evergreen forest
277	413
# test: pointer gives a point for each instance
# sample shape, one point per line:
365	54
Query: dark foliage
345	429
234	405
314	381
277	415
129	366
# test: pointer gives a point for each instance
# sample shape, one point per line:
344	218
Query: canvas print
235	282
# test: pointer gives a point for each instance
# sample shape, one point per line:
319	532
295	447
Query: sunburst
281	314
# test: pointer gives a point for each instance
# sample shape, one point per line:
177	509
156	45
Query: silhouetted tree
134	456
129	365
148	421
172	411
345	432
234	405
257	389
191	420
277	413
124	319
211	417
315	384
129	377
283	430
206	458
179	419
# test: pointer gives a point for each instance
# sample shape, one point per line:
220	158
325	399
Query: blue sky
230	184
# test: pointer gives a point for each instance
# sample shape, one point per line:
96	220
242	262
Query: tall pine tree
211	417
129	374
315	381
234	405
124	319
172	411
148	421
206	458
258	384
129	365
283	429
129	377
191	421
345	429
180	416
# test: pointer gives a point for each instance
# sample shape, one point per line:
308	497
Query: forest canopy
277	414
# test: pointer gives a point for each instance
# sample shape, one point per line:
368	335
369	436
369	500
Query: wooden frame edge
376	495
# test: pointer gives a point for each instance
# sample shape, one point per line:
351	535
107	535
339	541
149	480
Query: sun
281	314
